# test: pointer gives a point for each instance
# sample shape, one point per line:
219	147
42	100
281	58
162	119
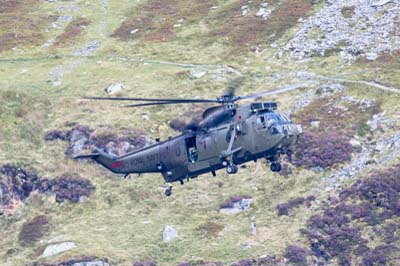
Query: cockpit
268	119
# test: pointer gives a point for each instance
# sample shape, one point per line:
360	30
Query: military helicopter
228	135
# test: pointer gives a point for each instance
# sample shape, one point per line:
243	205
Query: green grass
123	220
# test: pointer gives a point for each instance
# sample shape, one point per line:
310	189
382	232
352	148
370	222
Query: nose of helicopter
288	132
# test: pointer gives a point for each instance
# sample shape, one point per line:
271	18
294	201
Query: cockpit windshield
268	119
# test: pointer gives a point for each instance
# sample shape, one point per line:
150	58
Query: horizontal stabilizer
87	156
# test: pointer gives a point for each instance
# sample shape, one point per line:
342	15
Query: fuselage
257	132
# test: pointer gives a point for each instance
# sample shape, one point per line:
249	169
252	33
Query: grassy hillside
54	52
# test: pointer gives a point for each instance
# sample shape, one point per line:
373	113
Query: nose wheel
275	167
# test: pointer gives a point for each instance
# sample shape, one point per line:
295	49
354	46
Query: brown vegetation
154	20
74	29
340	118
34	230
210	229
18	26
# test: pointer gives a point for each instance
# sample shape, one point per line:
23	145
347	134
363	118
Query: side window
191	149
260	122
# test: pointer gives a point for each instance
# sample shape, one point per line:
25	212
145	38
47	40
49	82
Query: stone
365	32
371	56
88	50
134	31
315	124
381	3
263	13
169	233
238	206
91	263
330	88
253	228
196	74
57	249
114	88
355	143
245	10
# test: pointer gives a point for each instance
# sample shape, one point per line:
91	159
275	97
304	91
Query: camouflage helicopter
228	135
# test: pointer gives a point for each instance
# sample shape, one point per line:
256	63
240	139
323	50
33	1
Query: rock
169	233
196	74
371	56
114	88
117	142
16	184
134	31
330	88
88	50
263	13
355	143
73	189
315	124
145	117
245	10
91	263
381	3
57	249
253	228
234	206
365	31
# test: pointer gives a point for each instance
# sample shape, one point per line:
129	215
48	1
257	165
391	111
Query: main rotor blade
275	91
154	104
177	100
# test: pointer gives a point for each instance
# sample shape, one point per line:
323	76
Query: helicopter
228	135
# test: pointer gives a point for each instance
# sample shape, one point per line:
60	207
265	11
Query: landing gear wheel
276	167
231	169
168	191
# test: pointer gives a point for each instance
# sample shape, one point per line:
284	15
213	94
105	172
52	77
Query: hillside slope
337	203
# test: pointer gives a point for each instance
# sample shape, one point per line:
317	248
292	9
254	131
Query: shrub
322	150
245	262
296	254
336	232
284	208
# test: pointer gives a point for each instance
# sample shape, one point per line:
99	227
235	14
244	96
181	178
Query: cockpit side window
261	122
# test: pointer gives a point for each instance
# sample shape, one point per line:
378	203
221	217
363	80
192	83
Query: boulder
114	88
57	249
236	204
169	233
196	74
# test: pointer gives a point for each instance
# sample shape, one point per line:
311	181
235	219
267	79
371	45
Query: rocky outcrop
67	188
350	28
83	139
17	183
236	204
